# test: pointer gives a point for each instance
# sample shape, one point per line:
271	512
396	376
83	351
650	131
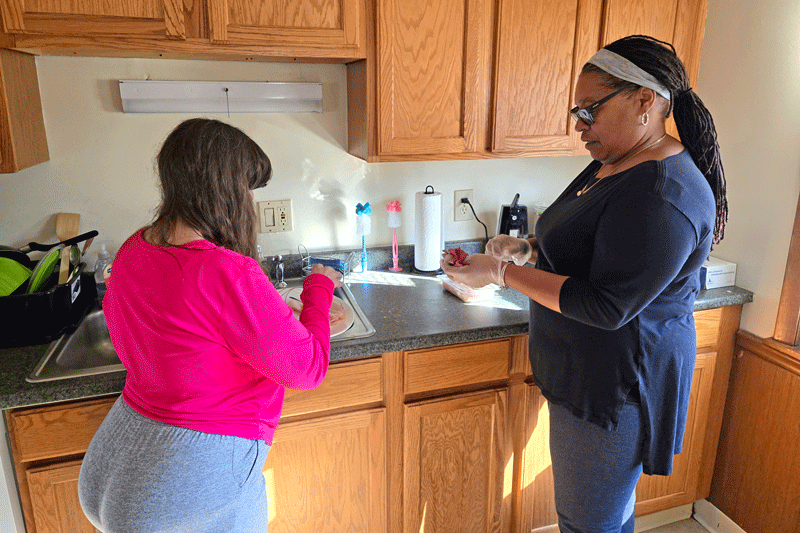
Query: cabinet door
431	65
54	498
454	465
653	493
541	47
657	493
23	142
680	22
307	24
328	475
143	18
536	494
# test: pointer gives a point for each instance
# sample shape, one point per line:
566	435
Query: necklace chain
587	187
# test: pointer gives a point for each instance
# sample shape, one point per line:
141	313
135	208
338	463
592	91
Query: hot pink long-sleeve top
207	341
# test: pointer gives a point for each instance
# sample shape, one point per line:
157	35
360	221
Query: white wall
102	161
750	81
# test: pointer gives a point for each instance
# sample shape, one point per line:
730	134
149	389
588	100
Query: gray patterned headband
618	66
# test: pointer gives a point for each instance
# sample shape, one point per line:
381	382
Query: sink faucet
277	272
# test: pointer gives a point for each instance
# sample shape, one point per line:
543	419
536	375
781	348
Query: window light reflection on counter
151	96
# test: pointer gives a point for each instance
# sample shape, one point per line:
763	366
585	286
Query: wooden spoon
68	225
63	271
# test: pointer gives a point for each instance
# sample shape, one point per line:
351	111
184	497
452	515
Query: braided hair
693	120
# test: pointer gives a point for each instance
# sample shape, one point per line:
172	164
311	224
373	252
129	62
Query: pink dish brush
394	222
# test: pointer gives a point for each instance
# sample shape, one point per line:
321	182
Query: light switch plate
274	216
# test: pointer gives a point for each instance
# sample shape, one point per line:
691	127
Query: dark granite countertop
408	312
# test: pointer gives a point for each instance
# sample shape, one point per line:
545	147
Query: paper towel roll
429	238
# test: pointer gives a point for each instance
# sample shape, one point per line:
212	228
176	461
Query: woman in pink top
209	346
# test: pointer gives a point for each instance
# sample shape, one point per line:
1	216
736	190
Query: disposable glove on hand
477	271
510	248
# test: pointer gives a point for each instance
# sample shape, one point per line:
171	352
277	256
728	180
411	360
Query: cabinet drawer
456	366
346	385
706	323
56	431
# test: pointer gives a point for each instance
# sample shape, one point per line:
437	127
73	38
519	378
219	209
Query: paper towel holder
428	190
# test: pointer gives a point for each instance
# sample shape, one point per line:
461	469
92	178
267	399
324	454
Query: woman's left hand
477	271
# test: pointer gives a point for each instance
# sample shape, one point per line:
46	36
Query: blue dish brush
363	228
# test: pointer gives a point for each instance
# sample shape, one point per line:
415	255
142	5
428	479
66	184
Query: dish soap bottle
103	260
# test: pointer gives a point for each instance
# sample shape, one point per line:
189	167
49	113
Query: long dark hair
695	125
206	170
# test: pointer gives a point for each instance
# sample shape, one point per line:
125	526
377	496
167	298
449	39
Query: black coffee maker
513	219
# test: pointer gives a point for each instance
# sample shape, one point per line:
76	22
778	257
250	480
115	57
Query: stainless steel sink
361	327
85	352
88	351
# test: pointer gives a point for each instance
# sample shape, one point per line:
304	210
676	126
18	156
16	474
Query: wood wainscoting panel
756	480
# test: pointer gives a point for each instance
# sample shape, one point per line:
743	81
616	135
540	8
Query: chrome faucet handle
277	271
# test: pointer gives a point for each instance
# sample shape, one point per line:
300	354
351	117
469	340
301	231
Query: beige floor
684	526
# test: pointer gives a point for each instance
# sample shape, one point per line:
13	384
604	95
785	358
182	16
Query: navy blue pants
595	471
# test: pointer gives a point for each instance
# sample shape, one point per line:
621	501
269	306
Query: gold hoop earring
645	119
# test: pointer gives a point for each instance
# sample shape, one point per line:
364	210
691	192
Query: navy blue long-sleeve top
632	248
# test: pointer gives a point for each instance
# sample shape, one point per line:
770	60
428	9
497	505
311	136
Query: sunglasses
585	114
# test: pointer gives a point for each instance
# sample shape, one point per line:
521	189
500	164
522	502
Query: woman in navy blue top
618	254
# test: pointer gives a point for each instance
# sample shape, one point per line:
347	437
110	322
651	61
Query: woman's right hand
334	275
510	248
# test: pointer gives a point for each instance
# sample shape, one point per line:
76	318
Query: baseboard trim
643	523
662	518
713	519
702	511
546	529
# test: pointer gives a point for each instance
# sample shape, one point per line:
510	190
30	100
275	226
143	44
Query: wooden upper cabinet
680	22
540	49
465	79
304	24
431	63
23	142
140	18
318	30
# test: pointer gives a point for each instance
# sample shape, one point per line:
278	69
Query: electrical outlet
274	216
463	211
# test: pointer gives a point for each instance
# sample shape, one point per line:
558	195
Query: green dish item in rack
12	275
44	269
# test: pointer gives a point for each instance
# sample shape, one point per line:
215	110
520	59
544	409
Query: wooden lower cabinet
454	464
653	493
54	499
328	475
451	438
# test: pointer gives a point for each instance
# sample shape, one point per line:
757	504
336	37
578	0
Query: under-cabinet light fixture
148	96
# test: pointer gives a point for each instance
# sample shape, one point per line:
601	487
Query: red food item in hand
458	255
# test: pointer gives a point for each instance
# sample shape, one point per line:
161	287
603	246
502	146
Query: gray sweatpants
140	475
